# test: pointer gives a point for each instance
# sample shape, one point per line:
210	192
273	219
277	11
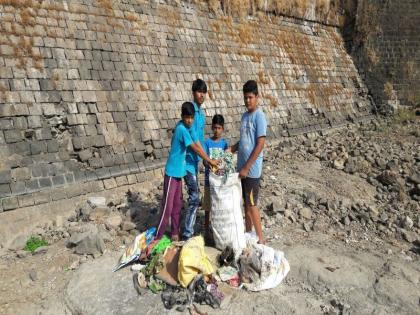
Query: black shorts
250	190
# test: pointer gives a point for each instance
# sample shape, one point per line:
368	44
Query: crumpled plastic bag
227	272
262	266
133	252
160	247
192	261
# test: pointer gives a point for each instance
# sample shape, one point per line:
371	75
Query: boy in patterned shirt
213	146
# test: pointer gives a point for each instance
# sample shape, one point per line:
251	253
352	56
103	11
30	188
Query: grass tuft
33	243
405	114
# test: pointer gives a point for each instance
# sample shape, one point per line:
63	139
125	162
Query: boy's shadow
144	212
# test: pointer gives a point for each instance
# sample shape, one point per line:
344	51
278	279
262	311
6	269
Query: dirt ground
357	265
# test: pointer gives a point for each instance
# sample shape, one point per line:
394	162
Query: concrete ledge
77	188
21	222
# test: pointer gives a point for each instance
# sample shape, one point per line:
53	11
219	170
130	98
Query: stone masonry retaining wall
90	90
387	50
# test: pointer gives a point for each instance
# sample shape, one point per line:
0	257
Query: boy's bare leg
254	213
248	219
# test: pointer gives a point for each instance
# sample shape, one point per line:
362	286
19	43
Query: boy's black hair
218	120
199	86
187	109
251	86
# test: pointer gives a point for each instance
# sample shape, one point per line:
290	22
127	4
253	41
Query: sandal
139	282
172	296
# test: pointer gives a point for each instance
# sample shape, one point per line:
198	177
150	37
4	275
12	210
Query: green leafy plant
33	243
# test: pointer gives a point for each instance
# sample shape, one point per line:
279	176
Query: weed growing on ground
405	114
33	243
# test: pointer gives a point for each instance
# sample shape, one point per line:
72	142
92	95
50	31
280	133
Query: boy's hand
233	148
213	163
243	173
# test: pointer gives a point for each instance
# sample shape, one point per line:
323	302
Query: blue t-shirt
253	126
197	128
210	146
181	139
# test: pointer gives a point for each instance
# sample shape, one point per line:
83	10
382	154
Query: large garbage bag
133	252
262	267
226	212
192	261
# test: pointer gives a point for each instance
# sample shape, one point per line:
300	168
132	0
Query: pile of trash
187	272
226	163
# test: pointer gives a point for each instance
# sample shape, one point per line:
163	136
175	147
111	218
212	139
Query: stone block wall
90	90
386	48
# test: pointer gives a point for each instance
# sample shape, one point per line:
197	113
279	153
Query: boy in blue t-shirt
199	90
250	156
175	170
215	143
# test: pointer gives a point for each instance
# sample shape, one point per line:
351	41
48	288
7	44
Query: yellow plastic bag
192	261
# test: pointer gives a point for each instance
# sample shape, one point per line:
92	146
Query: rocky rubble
97	224
350	226
383	159
88	241
367	177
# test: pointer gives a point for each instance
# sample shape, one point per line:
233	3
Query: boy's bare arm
197	148
254	155
233	148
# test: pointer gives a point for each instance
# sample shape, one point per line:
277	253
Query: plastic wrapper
134	251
